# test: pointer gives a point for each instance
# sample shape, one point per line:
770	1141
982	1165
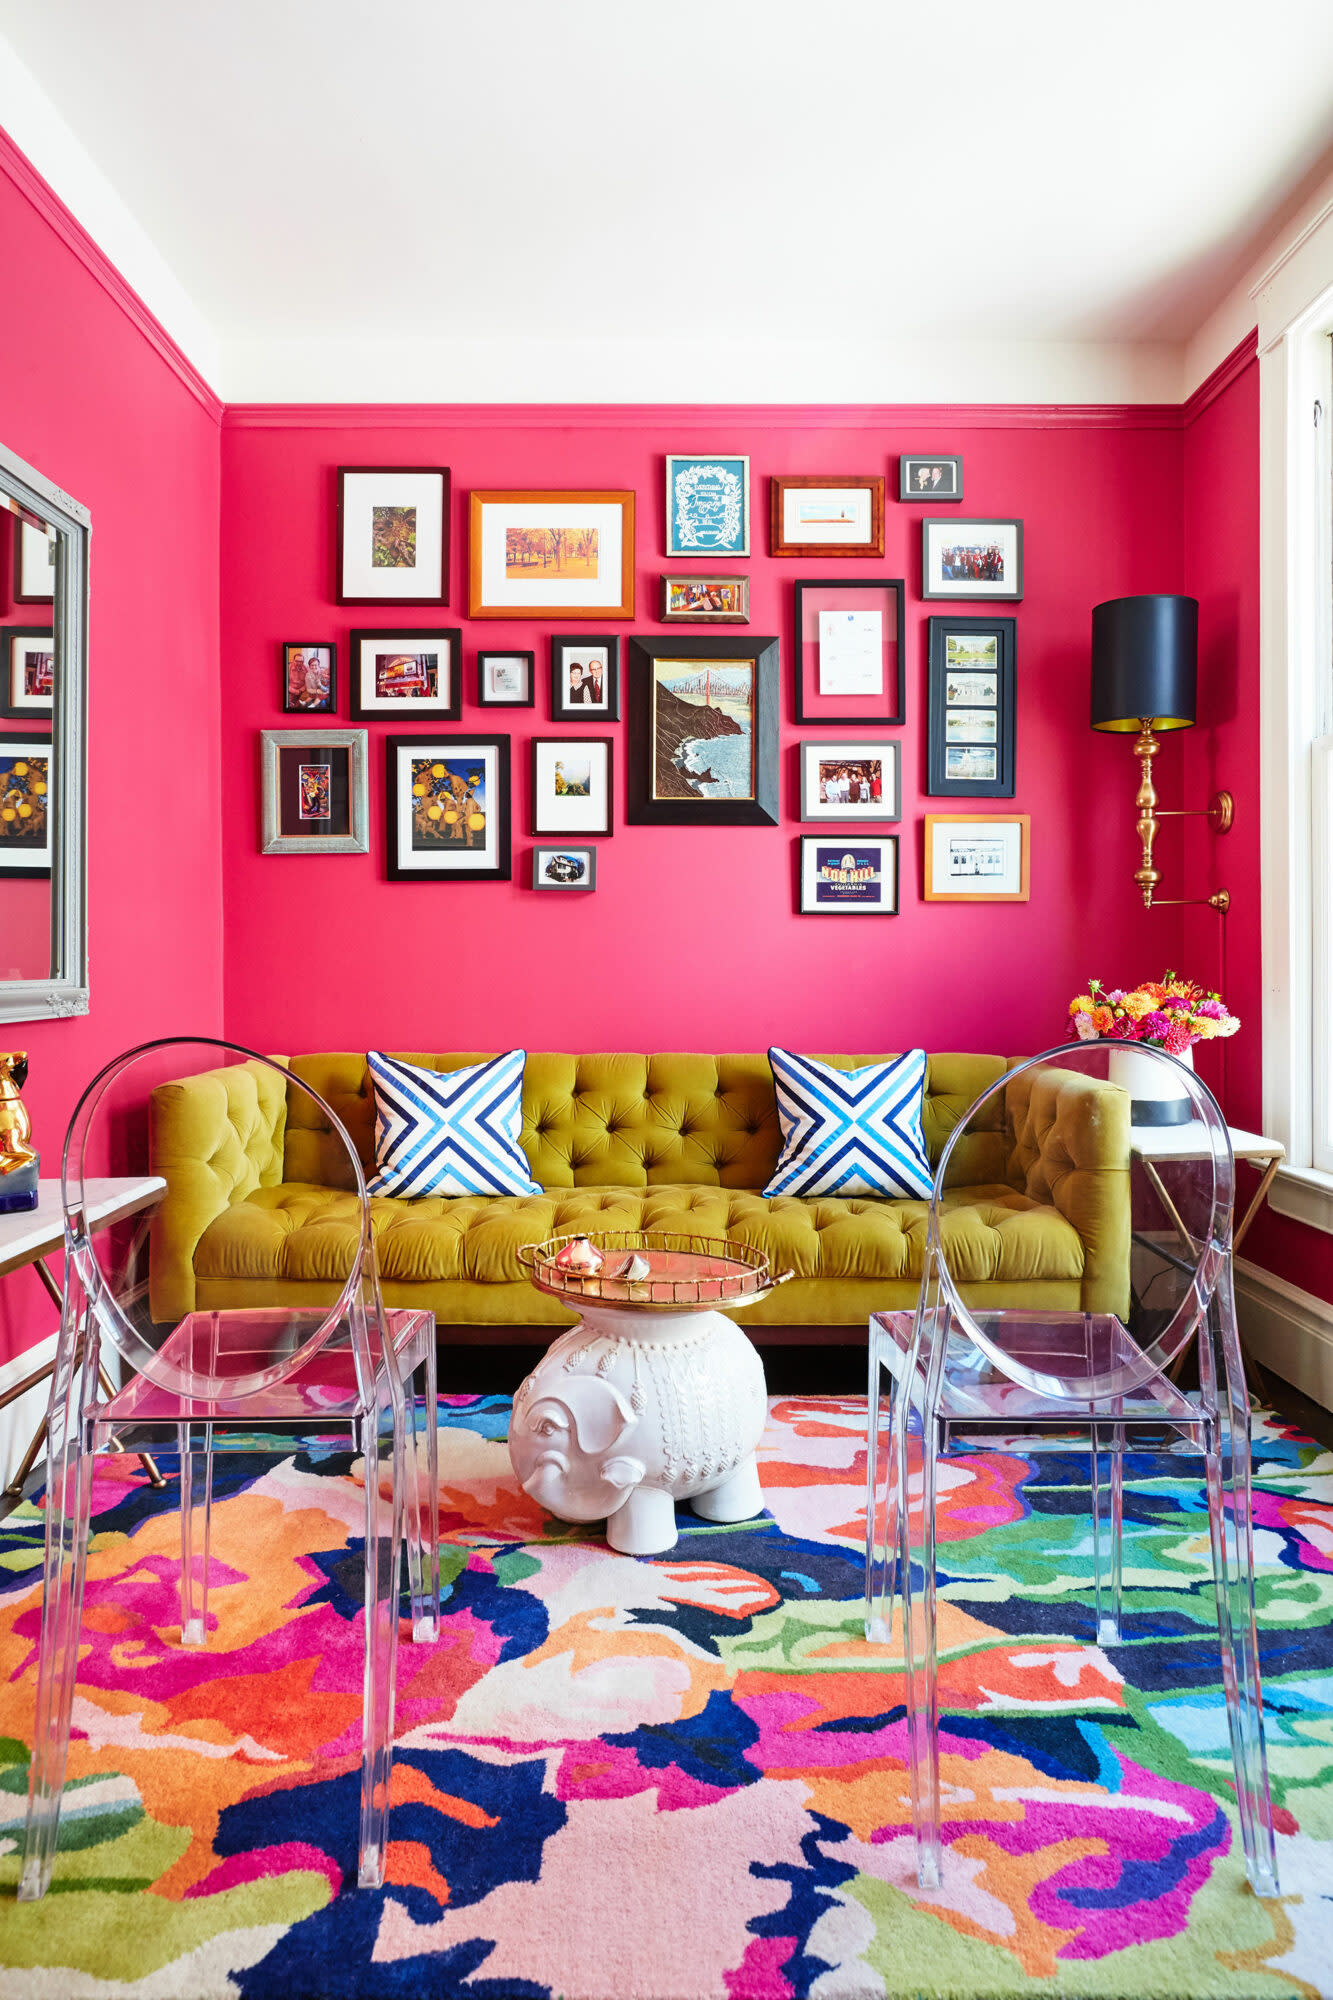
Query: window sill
1305	1194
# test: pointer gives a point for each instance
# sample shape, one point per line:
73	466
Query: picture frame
707	504
972	707
930	476
27	673
406	673
951	549
506	679
565	869
834	514
585	678
309	677
34	563
446	808
976	857
857	781
392	534
705	600
551	554
27	792
843	678
314	793
848	874
674	779
573	786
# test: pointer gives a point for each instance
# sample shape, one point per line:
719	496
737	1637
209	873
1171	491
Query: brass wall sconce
1145	656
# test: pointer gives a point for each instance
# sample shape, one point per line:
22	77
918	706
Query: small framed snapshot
393	672
703	719
393	534
585	679
27	789
706	600
979	559
564	868
315	797
506	680
849	651
573	784
930	476
972	708
27	673
551	554
447	808
34	564
849	875
707	505
833	516
976	858
309	678
857	779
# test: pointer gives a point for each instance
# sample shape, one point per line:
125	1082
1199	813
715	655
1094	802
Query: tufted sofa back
641	1120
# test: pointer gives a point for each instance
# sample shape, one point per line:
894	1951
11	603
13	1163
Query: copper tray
688	1273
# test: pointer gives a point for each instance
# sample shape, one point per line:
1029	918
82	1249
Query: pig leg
738	1498
645	1525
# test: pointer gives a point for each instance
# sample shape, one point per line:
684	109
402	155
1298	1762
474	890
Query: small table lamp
1145	656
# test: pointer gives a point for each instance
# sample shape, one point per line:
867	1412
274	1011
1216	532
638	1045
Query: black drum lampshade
1145	658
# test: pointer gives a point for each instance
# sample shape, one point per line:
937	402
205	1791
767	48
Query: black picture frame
40	711
1004	633
484	700
290	646
950	488
587	857
842	844
961	590
429	707
871	719
390	601
643	808
19	747
422	741
536	797
563	643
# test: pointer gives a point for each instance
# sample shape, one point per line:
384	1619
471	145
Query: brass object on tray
685	1273
15	1124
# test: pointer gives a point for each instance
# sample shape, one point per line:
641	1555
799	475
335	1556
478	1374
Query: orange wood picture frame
478	501
1019	895
783	483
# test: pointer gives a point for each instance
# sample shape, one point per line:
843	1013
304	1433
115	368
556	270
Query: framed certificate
849	651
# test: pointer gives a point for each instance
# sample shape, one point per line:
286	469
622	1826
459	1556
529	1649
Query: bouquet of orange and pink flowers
1173	1013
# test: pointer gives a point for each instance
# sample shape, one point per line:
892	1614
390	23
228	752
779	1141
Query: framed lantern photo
976	858
447	808
309	678
506	680
705	600
849	875
551	554
977	559
703	732
972	708
314	792
27	793
393	534
849	652
27	673
573	785
406	673
707	505
840	515
858	779
585	679
564	868
930	476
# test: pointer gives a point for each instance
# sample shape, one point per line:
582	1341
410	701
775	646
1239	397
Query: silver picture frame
272	742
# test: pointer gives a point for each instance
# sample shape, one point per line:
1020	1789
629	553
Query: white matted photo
447	801
393	534
855	778
551	555
34	564
976	559
27	798
572	784
976	857
849	874
585	678
406	673
505	680
27	673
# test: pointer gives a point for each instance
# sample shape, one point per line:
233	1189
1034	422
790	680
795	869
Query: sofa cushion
451	1134
851	1132
303	1232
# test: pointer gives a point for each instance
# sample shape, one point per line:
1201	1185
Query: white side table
33	1235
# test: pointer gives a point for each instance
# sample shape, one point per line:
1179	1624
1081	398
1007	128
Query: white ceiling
396	198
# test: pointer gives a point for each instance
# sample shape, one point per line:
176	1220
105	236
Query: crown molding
20	171
906	417
1234	364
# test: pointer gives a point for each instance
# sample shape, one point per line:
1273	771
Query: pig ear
623	1472
601	1414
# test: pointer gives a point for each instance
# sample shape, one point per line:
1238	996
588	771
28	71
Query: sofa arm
214	1138
1071	1149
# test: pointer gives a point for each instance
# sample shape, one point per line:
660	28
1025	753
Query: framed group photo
27	792
855	779
573	785
393	534
972	704
27	673
309	678
549	554
707	505
404	673
976	858
977	559
446	804
849	651
848	874
314	791
833	516
506	680
585	679
703	732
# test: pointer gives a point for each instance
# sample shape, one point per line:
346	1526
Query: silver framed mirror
44	538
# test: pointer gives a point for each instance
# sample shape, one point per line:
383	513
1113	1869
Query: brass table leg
1238	1237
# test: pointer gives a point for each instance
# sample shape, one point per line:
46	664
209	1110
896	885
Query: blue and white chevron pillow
854	1131
454	1132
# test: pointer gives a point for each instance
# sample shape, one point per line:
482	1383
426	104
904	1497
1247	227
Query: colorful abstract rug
681	1778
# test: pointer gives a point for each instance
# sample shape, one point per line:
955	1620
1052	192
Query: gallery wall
90	396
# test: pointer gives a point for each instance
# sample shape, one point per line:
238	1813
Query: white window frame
1295	310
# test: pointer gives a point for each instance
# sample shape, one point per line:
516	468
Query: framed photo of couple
585	679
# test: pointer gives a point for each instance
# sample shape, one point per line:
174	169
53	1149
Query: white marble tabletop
36	1232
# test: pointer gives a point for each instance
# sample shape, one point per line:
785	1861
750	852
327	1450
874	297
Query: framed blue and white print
707	506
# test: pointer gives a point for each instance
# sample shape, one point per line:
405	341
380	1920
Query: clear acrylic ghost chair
262	1378
1137	1216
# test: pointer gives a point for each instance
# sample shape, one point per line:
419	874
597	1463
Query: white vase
1159	1095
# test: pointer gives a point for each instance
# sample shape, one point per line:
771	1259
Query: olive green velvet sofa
257	1212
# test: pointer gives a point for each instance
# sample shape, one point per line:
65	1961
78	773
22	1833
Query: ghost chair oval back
339	1369
1078	1195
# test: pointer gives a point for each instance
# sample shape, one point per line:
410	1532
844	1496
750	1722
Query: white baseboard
1287	1330
19	1419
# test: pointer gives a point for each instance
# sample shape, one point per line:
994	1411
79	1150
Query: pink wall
91	393
691	940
